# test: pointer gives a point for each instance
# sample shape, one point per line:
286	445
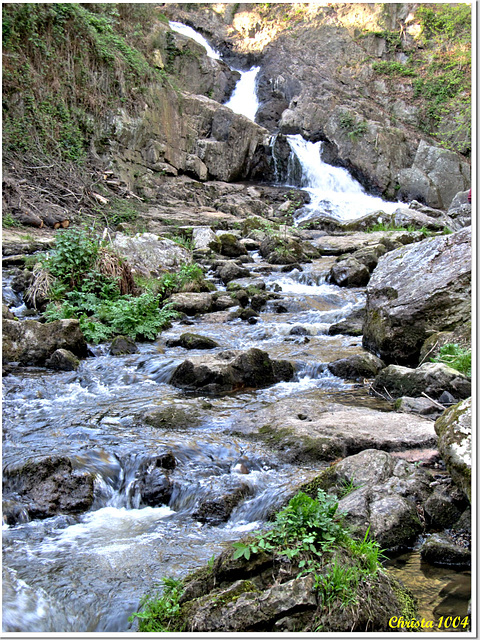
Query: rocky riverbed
254	391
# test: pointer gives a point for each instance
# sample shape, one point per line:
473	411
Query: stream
88	572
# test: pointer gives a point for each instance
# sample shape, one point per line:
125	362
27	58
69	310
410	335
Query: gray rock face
32	343
416	290
231	271
435	177
454	429
385	499
231	371
122	345
148	254
49	486
432	378
205	238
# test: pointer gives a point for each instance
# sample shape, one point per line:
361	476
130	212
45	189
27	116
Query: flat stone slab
305	430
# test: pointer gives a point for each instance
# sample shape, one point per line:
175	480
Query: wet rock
218	510
351	326
241	296
7	314
32	343
62	360
171	417
259	301
231	271
286	250
192	341
148	254
362	365
417	290
222	302
246	314
454	429
192	303
440	549
154	483
231	371
349	273
230	245
205	238
49	486
445	506
432	378
122	345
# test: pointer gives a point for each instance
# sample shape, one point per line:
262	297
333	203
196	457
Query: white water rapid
194	35
333	191
244	98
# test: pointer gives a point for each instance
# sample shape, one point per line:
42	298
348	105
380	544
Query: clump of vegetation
457	357
160	611
353	128
87	281
393	68
309	535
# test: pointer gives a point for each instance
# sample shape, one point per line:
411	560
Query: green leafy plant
393	68
457	357
160	611
9	221
353	128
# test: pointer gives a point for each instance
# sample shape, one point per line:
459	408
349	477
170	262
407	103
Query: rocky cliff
385	87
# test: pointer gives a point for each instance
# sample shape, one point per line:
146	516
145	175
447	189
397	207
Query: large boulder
432	379
148	254
191	303
435	177
454	429
304	429
33	343
46	487
231	371
417	290
382	493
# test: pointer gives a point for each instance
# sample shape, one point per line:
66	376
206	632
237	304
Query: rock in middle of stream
231	371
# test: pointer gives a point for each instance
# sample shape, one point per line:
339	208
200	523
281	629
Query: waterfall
194	35
244	99
332	190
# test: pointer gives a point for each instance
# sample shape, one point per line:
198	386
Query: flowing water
333	191
244	97
84	573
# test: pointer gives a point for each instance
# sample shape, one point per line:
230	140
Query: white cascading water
244	99
332	190
194	35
